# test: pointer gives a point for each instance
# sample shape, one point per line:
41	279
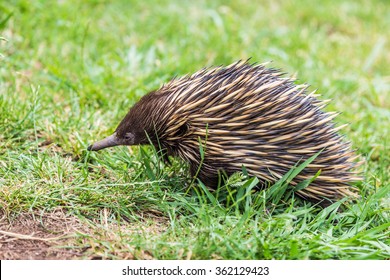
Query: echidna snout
244	115
113	140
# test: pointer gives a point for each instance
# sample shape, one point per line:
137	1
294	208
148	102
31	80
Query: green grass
70	70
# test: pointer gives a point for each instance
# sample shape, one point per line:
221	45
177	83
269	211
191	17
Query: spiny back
248	115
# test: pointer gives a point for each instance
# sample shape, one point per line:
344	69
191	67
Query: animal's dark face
133	129
136	128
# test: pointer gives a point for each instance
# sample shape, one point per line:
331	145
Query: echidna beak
107	142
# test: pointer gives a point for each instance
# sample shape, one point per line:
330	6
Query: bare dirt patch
56	235
31	236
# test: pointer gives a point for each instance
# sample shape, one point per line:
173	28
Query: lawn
69	72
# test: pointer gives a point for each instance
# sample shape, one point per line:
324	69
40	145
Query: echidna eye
129	136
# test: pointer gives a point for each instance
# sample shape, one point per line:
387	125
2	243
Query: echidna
245	115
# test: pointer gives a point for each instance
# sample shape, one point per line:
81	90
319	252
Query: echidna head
134	129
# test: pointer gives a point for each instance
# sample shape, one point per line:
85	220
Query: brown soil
30	236
57	235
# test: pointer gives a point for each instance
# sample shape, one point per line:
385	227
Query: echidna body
243	115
